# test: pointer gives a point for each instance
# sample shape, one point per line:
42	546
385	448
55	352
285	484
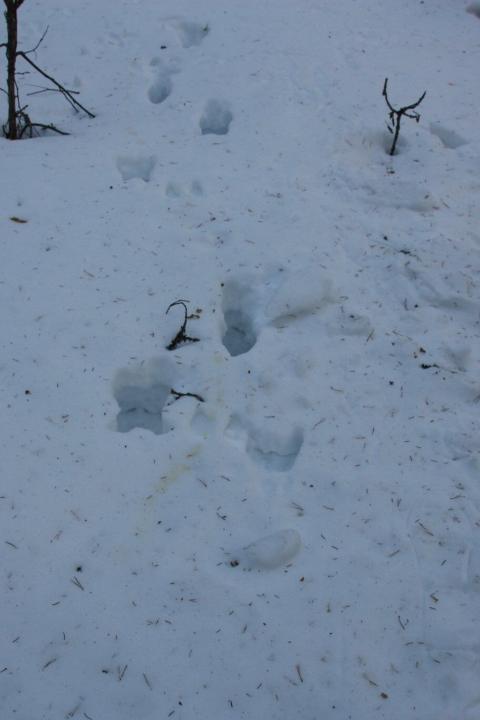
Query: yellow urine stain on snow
174	473
194	451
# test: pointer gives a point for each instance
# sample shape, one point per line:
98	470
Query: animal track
238	304
270	552
174	190
160	89
162	86
298	296
449	138
136	167
141	394
190	33
273	451
216	118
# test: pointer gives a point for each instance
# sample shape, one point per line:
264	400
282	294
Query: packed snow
280	516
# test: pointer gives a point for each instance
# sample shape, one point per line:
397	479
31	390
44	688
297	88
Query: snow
298	536
272	551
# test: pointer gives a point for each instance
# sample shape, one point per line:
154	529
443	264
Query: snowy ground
305	543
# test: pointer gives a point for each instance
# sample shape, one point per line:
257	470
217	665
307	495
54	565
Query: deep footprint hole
141	394
240	336
141	407
216	118
238	304
160	90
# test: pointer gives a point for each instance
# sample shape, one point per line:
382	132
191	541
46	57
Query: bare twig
181	336
30	125
178	395
396	115
44	90
34	49
77	583
66	93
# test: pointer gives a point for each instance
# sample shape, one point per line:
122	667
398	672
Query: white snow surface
238	161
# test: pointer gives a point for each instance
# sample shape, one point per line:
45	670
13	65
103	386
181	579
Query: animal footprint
162	85
270	552
190	33
160	89
449	138
273	451
238	312
299	295
216	118
136	167
174	190
141	394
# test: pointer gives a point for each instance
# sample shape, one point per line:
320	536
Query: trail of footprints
143	393
215	118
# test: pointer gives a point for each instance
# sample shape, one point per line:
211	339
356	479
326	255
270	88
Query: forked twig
396	115
181	336
63	90
177	395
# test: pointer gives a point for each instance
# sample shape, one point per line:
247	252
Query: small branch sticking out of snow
396	115
181	336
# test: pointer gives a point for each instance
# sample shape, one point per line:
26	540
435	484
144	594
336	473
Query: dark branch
54	90
178	395
29	126
67	95
396	115
181	336
384	93
27	52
